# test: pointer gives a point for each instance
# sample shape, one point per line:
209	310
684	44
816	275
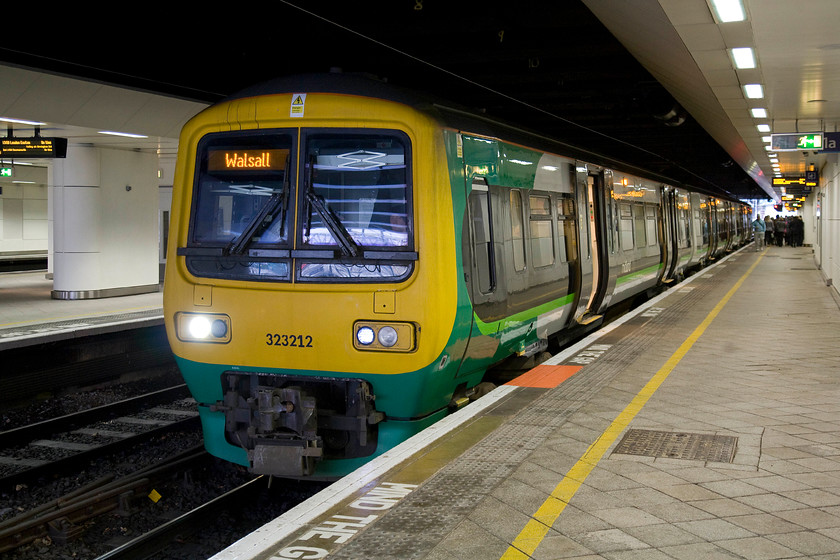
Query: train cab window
541	230
241	205
356	206
517	227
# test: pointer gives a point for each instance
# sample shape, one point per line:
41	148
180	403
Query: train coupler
287	424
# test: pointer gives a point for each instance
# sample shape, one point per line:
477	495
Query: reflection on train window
356	186
517	227
540	228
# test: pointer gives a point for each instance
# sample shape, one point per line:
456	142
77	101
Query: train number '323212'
289	340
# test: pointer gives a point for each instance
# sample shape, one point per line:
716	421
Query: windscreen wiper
331	221
262	218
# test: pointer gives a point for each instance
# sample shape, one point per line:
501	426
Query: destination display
247	160
35	147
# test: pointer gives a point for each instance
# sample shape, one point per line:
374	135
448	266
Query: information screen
35	147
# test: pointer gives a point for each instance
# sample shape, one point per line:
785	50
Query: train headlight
365	336
202	327
387	336
384	337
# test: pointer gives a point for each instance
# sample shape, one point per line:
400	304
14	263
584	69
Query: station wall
23	212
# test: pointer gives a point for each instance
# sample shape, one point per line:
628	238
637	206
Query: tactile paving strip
678	445
420	521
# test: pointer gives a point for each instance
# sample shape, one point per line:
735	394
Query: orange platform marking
545	377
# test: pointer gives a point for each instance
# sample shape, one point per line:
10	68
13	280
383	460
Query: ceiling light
767	139
729	10
763	127
21	121
743	58
126	134
759	113
754	91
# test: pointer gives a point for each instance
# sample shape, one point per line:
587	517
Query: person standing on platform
758	232
768	230
797	231
779	230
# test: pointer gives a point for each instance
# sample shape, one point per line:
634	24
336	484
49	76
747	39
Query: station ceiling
648	82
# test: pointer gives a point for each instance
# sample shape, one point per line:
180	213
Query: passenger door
594	256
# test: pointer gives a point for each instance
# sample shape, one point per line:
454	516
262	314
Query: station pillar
103	206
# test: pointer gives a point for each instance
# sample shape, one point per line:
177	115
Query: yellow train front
310	293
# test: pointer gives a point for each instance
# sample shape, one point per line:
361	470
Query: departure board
35	147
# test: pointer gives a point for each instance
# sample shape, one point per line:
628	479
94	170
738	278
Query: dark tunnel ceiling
548	66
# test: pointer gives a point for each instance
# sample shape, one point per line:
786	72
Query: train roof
450	114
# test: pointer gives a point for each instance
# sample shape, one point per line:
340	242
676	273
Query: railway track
63	519
172	532
58	445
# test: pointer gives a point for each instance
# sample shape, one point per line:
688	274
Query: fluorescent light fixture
768	148
125	134
729	10
743	58
754	91
759	113
763	127
767	139
21	121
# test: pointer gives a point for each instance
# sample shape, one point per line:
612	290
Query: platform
29	315
704	425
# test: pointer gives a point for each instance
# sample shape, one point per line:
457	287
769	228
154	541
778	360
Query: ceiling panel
599	73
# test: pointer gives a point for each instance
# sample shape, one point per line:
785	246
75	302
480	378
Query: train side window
639	230
482	225
566	223
517	228
626	231
650	219
540	228
609	221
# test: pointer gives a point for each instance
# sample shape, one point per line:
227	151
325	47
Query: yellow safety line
524	545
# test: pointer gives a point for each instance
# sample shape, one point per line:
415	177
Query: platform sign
831	142
796	142
35	147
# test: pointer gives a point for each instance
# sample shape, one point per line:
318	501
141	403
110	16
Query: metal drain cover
678	445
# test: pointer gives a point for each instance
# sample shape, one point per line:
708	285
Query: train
348	259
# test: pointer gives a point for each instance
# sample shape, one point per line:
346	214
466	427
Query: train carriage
348	260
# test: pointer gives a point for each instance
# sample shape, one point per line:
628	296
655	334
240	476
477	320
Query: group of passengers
781	230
